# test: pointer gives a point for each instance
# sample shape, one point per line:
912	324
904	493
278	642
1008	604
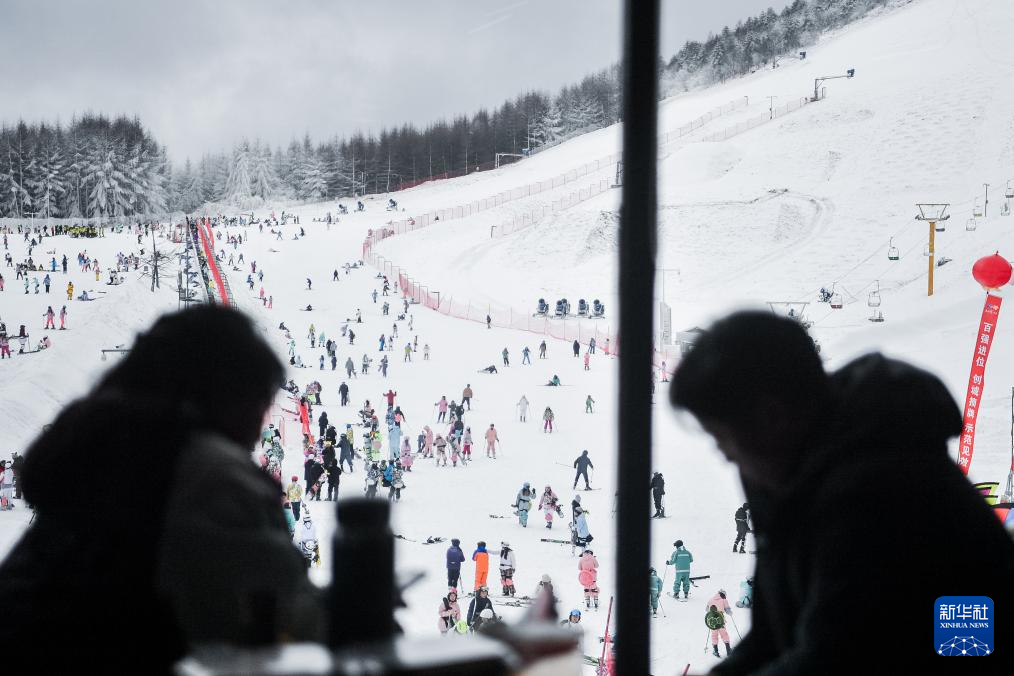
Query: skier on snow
681	559
523	503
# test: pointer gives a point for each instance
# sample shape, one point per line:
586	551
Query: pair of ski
428	541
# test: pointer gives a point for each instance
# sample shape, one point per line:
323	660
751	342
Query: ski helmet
721	592
505	545
455	541
577	498
484	588
526	485
295	478
546	579
486	614
575	612
651	571
678	543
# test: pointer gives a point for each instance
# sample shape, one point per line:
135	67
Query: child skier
715	621
656	590
491	441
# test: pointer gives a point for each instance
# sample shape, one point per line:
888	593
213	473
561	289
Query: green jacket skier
656	590
681	559
715	621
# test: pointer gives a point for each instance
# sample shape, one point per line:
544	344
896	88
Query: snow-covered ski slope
797	203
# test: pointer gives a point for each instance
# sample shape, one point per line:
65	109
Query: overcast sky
202	73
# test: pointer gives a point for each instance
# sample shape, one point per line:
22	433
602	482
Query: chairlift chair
977	208
1009	192
892	251
970	225
836	301
877	316
940	225
874	298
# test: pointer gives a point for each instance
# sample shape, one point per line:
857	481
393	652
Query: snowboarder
373	477
587	576
449	612
455	557
542	350
681	559
582	464
523	503
506	357
350	368
577	348
657	491
742	527
588	404
481	558
716	623
656	590
343	390
507	566
523	408
491	441
549	504
547	420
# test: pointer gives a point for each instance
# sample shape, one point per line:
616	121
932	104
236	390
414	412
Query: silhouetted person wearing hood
173	537
852	494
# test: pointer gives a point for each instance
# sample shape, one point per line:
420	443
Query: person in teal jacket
656	590
681	559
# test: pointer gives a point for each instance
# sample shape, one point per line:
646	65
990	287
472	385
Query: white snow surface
800	202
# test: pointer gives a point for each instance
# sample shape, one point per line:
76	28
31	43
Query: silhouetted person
853	496
154	531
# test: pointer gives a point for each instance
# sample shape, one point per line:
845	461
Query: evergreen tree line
759	41
98	167
95	167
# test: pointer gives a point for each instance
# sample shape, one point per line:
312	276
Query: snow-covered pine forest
101	168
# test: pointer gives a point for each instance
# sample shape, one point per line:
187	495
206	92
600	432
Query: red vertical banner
976	379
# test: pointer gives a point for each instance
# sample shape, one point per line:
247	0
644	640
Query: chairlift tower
932	214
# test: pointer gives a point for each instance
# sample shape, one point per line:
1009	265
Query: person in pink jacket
449	612
549	503
406	454
428	443
588	576
441	409
491	441
720	601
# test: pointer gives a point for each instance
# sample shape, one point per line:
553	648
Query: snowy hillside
808	199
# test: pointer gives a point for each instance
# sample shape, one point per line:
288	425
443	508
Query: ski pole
660	607
734	626
706	637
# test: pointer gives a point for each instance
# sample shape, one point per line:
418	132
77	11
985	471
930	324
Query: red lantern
992	272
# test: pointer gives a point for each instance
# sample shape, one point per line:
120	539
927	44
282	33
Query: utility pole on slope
985	207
